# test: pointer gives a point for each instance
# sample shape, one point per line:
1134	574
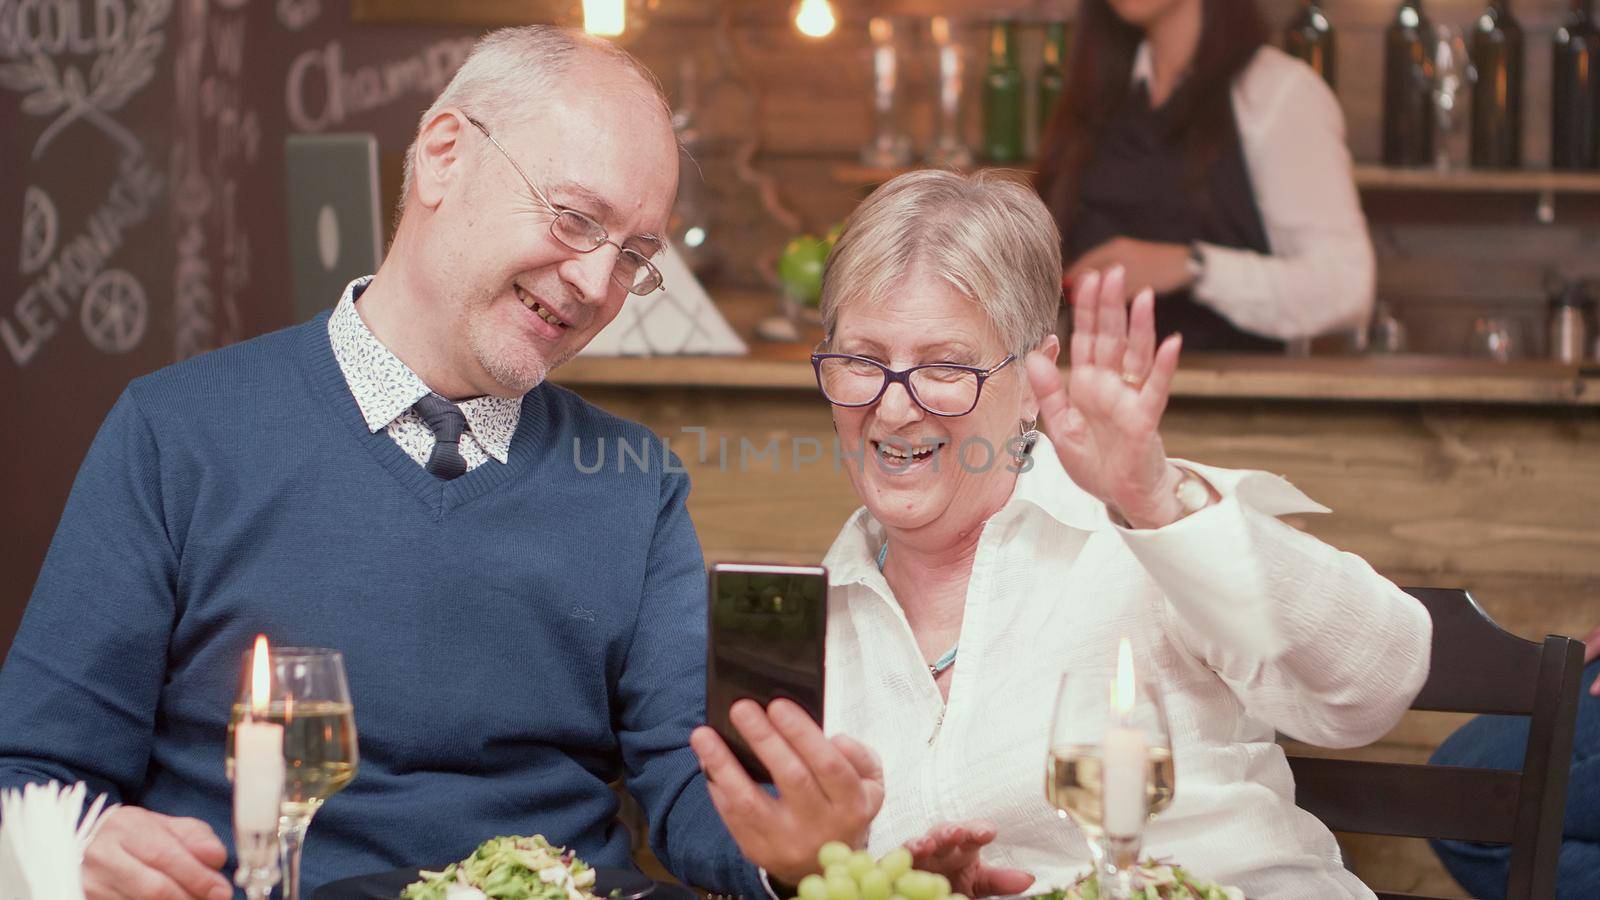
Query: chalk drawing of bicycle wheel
38	229
114	312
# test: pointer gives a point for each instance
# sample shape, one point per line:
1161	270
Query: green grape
813	887
832	852
838	870
915	885
896	862
860	863
875	885
941	887
898	897
843	888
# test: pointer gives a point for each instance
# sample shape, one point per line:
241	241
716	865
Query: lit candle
1125	757
881	31
257	754
949	67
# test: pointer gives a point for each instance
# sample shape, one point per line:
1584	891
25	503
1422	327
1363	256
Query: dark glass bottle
1052	75
1408	122
1497	94
1575	91
1002	97
1310	37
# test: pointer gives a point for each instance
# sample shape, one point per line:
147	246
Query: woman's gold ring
1134	380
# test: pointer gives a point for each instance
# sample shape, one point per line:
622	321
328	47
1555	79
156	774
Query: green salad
1161	882
509	868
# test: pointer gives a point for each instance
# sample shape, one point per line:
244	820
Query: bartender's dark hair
1231	31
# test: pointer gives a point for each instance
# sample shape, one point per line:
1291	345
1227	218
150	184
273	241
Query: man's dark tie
446	422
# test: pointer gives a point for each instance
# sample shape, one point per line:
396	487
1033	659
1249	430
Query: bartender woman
1214	168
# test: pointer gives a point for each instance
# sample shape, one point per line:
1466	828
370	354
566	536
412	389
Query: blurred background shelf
1368	178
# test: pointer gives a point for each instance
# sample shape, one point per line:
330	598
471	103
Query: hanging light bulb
815	18
619	21
605	18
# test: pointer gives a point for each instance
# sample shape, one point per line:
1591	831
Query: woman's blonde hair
987	234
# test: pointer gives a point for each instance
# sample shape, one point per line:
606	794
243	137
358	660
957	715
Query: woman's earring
1029	434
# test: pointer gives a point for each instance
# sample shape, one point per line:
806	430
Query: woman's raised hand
1105	420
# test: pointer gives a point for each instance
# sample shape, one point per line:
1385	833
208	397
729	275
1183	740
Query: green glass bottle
1002	97
1052	76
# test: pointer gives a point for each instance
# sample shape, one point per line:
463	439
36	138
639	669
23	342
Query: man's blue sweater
514	639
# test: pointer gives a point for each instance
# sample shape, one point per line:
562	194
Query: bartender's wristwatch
1196	262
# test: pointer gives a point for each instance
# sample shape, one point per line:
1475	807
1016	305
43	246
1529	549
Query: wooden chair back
1477	667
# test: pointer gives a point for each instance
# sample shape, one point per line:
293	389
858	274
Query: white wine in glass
1073	784
1109	766
311	700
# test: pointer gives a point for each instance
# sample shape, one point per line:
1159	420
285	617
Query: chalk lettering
319	92
54	27
79	265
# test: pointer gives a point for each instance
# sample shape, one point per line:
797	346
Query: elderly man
396	480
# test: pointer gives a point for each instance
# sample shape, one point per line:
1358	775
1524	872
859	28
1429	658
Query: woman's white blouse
1247	625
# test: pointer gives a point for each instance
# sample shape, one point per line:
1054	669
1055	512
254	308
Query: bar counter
1403	378
1427	379
1440	472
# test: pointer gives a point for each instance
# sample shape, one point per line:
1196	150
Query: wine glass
311	700
1109	765
1453	75
1498	338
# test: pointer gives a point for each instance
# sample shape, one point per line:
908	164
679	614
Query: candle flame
881	30
1123	688
605	18
815	18
260	678
940	27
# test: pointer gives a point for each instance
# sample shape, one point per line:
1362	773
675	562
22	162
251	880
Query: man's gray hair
512	71
986	233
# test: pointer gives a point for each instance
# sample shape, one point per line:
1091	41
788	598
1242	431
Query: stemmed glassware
310	699
1453	75
1109	765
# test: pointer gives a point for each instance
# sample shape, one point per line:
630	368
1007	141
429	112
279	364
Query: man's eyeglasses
576	231
943	389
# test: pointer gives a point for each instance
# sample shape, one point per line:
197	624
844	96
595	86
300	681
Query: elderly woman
964	587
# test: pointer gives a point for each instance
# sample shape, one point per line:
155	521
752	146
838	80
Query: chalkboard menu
142	193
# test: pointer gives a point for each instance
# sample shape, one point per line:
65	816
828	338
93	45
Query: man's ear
1050	348
438	156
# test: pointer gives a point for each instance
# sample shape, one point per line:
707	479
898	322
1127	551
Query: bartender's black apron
1136	185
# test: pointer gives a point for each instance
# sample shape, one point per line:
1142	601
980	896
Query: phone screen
768	631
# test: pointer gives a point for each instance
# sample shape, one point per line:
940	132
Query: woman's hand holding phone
829	789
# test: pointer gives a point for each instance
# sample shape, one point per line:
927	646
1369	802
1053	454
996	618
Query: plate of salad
505	868
1159	881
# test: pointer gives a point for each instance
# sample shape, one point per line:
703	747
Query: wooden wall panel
1444	259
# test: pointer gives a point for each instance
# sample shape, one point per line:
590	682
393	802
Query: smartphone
767	639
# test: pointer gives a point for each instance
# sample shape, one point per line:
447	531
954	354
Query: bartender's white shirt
1320	275
1247	624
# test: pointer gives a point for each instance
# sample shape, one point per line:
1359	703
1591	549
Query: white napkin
43	833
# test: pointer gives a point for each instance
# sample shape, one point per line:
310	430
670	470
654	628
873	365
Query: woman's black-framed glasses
943	389
579	232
